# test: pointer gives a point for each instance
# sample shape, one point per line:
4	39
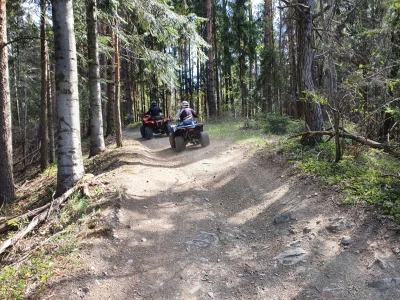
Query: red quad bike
183	134
154	125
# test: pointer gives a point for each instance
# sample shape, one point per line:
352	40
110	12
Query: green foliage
134	125
15	280
365	175
277	124
236	132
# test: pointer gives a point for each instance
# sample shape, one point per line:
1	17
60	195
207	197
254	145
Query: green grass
235	132
366	176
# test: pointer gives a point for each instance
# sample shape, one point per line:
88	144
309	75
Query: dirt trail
228	222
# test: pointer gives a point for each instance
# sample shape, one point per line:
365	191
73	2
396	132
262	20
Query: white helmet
185	104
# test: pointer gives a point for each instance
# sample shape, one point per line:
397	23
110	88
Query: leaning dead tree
358	138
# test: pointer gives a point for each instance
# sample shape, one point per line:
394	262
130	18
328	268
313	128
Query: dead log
358	138
36	220
13	221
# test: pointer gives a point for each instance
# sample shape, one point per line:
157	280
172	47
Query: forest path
229	222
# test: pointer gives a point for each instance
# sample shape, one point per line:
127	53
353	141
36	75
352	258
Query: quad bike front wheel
180	143
204	139
148	133
142	131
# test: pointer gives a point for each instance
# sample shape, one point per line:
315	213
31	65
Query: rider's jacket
186	115
154	111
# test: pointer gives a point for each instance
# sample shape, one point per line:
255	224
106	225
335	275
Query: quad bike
154	125
182	134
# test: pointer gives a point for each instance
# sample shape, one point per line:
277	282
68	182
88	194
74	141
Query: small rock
336	227
283	218
346	240
144	240
381	263
306	230
295	244
211	295
85	290
130	261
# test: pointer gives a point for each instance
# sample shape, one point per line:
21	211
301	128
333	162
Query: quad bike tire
172	141
204	139
168	130
142	131
180	143
148	133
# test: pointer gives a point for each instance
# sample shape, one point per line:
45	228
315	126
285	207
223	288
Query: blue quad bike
183	134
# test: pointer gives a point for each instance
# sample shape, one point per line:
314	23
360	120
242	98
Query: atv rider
154	111
186	114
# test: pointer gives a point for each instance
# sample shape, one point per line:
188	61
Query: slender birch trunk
70	162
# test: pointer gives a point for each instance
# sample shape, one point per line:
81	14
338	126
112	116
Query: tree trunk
43	132
110	93
70	162
97	144
50	114
313	112
7	190
117	109
210	63
127	87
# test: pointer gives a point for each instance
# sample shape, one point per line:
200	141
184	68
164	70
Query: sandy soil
229	222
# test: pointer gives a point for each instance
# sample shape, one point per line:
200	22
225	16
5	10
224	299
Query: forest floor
228	222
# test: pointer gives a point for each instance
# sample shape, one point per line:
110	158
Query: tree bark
313	112
210	63
51	114
117	109
127	87
43	132
110	91
97	144
70	162
7	190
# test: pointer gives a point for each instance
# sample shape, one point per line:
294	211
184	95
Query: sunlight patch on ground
252	212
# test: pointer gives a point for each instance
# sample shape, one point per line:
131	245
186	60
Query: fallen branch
13	221
36	221
362	140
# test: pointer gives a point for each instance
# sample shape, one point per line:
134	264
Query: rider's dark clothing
154	112
187	115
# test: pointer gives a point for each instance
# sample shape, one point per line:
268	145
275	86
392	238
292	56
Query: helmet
153	103
185	104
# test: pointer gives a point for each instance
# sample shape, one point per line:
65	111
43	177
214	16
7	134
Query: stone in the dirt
291	257
346	240
336	226
385	284
283	218
381	263
306	230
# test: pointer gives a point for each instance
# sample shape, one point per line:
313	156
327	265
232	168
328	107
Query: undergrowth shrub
365	175
276	123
